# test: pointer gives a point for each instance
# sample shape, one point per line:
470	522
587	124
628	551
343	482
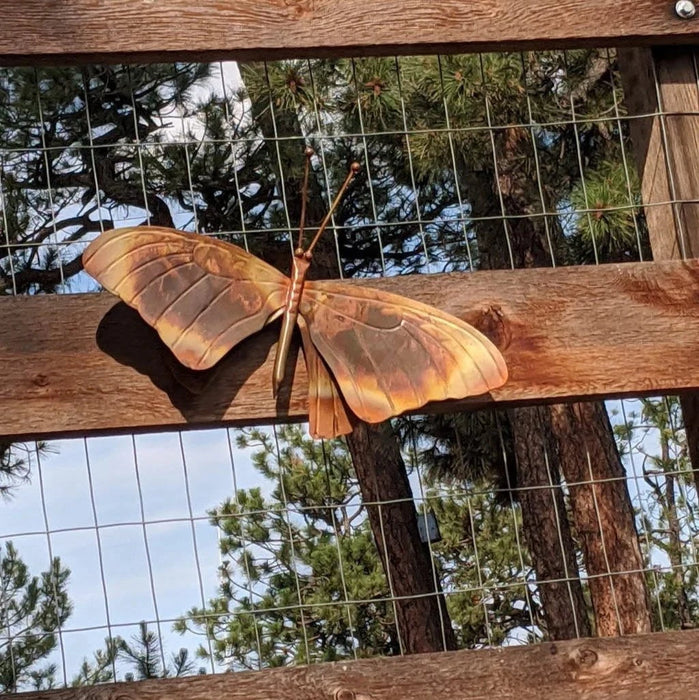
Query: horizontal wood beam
68	31
662	665
76	364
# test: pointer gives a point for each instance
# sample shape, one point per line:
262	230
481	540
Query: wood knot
343	694
41	380
587	657
586	663
492	323
299	8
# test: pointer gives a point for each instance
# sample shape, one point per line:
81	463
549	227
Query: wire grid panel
463	156
255	549
261	539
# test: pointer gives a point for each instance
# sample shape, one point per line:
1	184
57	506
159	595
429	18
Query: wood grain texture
662	83
663	665
660	88
61	31
79	364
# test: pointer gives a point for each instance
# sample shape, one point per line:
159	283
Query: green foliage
15	464
144	655
608	227
32	609
311	554
655	439
462	447
101	668
14	467
483	568
302	580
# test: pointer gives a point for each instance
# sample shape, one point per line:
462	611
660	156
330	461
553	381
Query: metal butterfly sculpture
376	353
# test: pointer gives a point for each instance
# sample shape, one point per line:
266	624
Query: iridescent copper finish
369	354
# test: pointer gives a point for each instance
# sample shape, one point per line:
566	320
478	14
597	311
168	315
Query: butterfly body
299	268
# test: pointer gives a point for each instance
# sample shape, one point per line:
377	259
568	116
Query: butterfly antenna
354	169
304	193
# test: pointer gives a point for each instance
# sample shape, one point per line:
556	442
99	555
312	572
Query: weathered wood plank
84	363
128	30
662	84
666	144
650	666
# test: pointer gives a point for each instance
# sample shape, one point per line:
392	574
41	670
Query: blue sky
93	490
109	463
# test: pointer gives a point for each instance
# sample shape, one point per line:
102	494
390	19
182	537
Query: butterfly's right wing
389	354
202	296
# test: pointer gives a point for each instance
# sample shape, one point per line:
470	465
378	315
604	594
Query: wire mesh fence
260	547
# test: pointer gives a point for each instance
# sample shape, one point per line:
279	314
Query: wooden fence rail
77	364
621	668
60	31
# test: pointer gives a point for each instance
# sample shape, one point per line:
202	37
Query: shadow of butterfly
368	353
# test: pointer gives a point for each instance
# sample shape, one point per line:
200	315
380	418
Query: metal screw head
685	9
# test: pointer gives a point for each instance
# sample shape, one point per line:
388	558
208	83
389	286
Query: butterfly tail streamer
328	416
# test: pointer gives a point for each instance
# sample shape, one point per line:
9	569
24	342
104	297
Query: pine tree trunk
421	616
587	426
603	516
545	526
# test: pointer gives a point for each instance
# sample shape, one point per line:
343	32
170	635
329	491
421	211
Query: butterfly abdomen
291	314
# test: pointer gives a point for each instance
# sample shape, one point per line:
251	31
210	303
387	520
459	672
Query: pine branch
44	279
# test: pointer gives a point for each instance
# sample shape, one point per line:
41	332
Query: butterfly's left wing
390	354
203	296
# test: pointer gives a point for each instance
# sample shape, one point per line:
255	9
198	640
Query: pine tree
144	654
429	200
32	610
302	581
100	669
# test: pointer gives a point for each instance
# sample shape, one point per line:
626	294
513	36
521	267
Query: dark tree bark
604	518
545	525
423	622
